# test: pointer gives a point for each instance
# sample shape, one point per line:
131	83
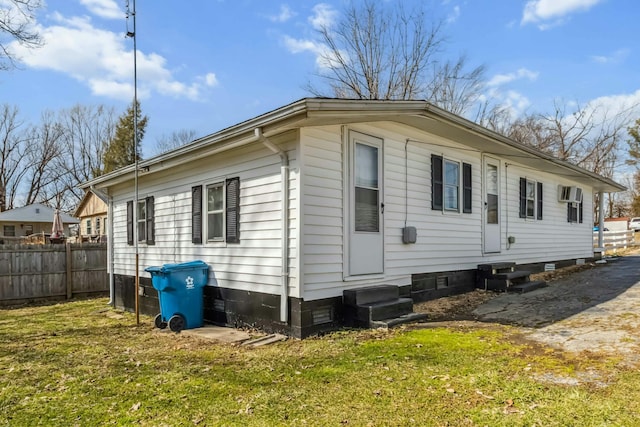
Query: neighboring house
30	220
294	207
92	213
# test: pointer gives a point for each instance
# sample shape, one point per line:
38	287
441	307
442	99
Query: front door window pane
492	194
366	166
367	218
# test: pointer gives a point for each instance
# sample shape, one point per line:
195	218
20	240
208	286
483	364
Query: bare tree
44	150
455	89
87	131
585	136
384	52
13	139
16	19
176	139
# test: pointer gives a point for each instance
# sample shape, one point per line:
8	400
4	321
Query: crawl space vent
218	305
322	315
442	282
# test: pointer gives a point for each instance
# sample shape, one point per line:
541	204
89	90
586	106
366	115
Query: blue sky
204	65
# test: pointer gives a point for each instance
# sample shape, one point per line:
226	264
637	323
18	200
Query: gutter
284	177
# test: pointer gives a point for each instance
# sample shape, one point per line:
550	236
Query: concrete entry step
385	309
370	294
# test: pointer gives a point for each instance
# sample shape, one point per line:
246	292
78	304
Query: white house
294	207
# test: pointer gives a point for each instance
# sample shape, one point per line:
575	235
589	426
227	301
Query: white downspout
601	221
284	176
110	262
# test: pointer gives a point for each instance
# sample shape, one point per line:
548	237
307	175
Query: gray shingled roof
35	213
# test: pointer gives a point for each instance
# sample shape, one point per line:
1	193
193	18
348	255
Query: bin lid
153	269
191	265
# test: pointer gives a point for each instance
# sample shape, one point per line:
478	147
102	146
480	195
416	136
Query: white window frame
207	212
88	226
533	200
142	220
98	226
446	185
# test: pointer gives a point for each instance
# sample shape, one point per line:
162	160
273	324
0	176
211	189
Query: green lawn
82	363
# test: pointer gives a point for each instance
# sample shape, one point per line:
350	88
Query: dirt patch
461	306
454	307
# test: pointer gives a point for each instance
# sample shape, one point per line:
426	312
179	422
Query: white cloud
108	9
323	16
325	58
627	104
544	11
454	15
522	73
614	58
285	14
103	61
210	80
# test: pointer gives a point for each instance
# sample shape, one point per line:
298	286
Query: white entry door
491	226
366	207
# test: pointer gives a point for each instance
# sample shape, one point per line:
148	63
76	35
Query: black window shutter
523	198
539	200
436	182
466	188
150	223
130	222
196	214
233	210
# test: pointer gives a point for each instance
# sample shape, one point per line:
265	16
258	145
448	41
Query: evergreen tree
120	152
634	143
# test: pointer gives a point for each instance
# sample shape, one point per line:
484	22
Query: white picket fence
616	240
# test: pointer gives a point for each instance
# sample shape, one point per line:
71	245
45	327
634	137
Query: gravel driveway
596	310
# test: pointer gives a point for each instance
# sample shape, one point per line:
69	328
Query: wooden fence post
69	271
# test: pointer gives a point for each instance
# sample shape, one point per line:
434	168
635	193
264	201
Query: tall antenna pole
135	156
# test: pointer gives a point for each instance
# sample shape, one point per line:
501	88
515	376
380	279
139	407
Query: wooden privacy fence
29	272
614	240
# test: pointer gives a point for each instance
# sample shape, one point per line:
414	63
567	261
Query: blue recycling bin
179	289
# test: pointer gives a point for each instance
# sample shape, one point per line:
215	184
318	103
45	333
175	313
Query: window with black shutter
573	212
145	221
530	199
446	187
217	217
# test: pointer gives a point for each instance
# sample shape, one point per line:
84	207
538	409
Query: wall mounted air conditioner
569	194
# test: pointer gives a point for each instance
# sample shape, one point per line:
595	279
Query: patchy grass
81	363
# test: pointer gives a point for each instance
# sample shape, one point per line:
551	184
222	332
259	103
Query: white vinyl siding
254	264
446	241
